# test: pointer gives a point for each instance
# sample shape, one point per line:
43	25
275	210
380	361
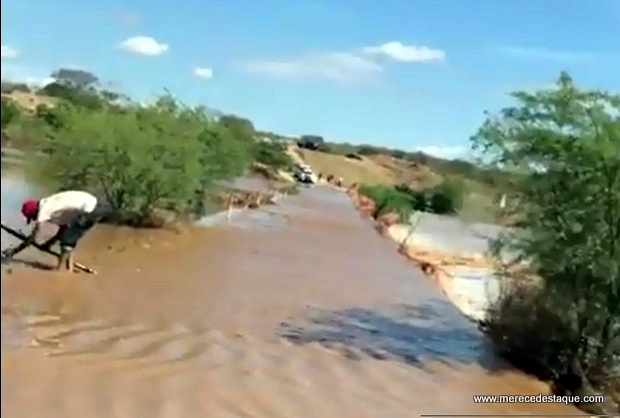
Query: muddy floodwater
298	310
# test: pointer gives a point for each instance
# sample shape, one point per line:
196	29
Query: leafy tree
139	159
241	128
563	144
77	78
225	155
74	94
273	154
420	198
50	116
10	112
10	87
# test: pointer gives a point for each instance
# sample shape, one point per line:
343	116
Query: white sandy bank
471	289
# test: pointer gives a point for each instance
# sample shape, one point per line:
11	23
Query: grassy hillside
352	171
372	165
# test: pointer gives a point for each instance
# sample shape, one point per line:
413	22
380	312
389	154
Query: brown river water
299	310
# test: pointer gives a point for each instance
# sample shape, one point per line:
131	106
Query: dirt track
303	312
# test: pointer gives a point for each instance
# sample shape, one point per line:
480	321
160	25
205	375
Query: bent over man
74	212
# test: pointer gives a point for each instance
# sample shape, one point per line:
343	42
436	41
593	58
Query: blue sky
411	74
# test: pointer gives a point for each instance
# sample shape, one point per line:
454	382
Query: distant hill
375	165
354	163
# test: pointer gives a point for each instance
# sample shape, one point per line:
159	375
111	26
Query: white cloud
448	151
203	72
333	66
9	52
143	45
359	65
406	53
540	53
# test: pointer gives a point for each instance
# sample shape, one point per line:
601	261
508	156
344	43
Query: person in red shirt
74	212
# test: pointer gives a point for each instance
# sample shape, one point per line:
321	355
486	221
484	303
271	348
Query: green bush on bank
10	112
445	199
388	200
420	198
139	159
565	145
273	154
8	87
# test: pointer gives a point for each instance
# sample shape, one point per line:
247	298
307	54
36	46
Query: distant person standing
74	212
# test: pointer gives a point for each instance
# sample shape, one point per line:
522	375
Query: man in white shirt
74	212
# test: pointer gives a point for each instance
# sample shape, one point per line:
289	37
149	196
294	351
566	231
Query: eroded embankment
308	314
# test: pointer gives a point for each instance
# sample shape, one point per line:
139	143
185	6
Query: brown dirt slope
376	169
28	101
351	170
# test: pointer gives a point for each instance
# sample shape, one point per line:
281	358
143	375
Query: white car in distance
304	174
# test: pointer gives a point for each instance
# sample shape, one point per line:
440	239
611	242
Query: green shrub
387	200
8	87
140	159
565	145
240	128
88	98
420	198
10	112
528	330
50	116
272	154
447	198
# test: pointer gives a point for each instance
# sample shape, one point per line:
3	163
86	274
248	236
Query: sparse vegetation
8	88
10	113
354	163
488	176
443	199
141	160
448	197
474	188
273	154
388	200
564	324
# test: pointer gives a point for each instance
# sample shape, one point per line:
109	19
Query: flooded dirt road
299	310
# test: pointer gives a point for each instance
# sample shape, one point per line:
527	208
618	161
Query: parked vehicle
304	174
312	142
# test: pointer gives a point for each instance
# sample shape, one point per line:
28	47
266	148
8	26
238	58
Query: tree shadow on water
414	335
